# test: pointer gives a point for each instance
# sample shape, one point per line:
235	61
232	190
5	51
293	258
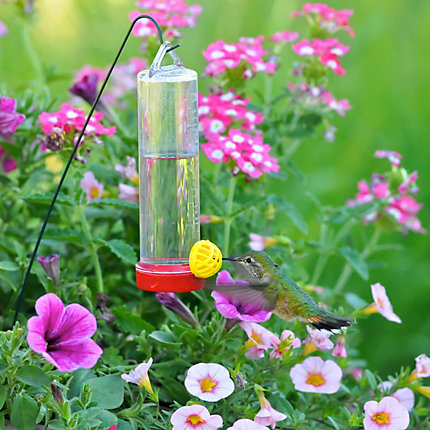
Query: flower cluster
284	36
170	15
327	51
248	53
248	152
69	120
326	18
317	96
218	111
122	82
391	193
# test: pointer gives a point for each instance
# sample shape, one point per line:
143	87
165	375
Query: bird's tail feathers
328	321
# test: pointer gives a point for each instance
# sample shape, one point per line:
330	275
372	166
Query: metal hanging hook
72	155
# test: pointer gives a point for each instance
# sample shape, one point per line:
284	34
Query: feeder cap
205	259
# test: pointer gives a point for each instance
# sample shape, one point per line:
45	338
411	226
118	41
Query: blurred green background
386	82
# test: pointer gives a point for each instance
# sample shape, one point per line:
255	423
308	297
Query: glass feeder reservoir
168	175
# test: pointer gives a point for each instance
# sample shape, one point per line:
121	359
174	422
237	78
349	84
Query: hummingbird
269	288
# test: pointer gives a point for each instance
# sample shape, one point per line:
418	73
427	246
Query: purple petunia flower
9	118
234	309
51	265
62	334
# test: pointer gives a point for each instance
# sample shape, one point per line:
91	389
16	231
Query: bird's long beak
229	258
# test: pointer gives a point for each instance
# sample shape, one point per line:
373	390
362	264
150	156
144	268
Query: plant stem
92	248
32	54
292	149
323	256
228	219
347	269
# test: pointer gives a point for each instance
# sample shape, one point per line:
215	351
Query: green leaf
112	357
163	337
106	418
3	367
124	425
115	203
291	211
108	391
355	301
3	394
46	199
33	375
130	322
122	250
8	266
371	378
78	378
24	412
353	258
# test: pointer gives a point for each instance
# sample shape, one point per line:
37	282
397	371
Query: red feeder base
166	278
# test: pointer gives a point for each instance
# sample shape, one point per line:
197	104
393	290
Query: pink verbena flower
393	157
327	18
249	152
139	376
284	345
70	120
218	111
170	15
195	417
382	304
284	36
9	118
234	309
62	334
246	424
258	242
248	53
209	381
93	188
327	51
388	414
316	376
3	29
259	340
267	415
405	396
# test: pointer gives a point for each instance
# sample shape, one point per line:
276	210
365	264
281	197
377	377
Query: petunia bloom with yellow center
195	417
209	381
388	414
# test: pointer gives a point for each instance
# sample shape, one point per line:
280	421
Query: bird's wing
255	292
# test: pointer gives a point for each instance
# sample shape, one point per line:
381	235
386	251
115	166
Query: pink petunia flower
128	193
91	186
139	376
62	334
381	304
259	340
246	424
9	118
112	427
233	309
388	414
339	349
317	339
422	367
327	18
51	266
284	345
258	242
316	376
209	381
195	417
405	396
267	415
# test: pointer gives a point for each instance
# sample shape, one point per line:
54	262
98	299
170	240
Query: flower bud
175	304
51	265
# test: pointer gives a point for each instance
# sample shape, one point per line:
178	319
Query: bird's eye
249	260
